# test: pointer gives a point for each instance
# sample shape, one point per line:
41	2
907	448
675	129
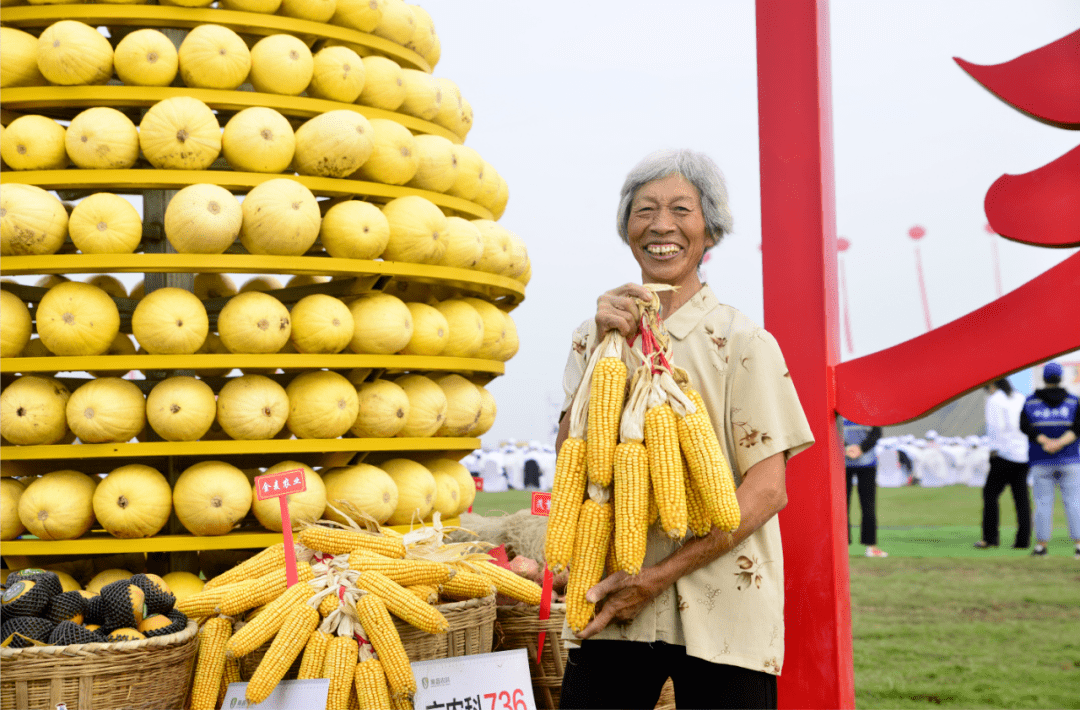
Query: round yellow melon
333	144
121	345
214	57
383	409
15	325
32	221
417	230
359	489
18	59
496	258
203	219
321	324
138	291
11	491
427	405
313	10
354	230
109	284
383	324
180	133
519	257
170	321
466	328
211	497
470	174
262	283
183	584
447	495
133	501
502	197
146	57
450	107
258	140
489	187
463	405
281	64
322	405
494	327
71	53
338	75
304	507
102	138
431	332
423	95
362	15
466	486
384	84
181	408
397	23
510	342
265	7
35	348
466	118
393	160
213	285
487	414
105	223
77	319
254	322
32	411
306	280
59	505
252	407
34	143
106	409
50	280
106	576
281	217
416	491
437	166
464	245
424	39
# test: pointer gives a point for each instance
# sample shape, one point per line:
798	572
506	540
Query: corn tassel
403	604
265	561
210	666
709	469
260	629
665	469
339	667
311	665
286	646
338	542
371	688
607	390
590	553
631	505
567	492
383	635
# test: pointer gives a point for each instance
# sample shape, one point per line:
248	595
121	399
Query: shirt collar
683	321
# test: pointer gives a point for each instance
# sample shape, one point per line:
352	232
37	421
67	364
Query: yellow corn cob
654	512
567	492
403	604
509	584
354	702
338	542
401	703
231	674
328	604
383	635
339	667
206	602
210	665
261	590
429	593
590	552
269	559
404	572
697	515
709	469
311	665
467	585
665	469
259	630
606	393
371	689
631	505
284	649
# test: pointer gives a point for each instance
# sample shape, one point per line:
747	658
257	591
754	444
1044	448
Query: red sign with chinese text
541	503
479	483
273	485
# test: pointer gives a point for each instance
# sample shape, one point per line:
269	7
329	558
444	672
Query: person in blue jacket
861	463
1051	421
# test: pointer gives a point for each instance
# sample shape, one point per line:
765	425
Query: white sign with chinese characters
287	695
486	681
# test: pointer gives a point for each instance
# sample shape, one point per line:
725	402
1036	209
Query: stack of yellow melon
351	152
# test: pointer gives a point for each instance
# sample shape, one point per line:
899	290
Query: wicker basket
154	674
519	626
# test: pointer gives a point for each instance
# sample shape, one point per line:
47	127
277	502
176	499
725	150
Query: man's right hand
617	310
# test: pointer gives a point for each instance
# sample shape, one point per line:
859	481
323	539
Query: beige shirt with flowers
732	610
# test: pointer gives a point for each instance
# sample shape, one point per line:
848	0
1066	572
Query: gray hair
699	170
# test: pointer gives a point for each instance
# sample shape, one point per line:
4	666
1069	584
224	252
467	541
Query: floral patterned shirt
732	610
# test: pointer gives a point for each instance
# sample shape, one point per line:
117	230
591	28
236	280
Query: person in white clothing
1008	464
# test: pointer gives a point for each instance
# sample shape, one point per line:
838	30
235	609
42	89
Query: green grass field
939	623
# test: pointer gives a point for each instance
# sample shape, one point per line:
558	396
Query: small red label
541	503
273	485
479	483
499	555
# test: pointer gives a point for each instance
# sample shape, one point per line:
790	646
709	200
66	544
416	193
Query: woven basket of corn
519	626
152	673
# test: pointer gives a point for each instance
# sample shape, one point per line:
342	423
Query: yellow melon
397	23
431	332
183	584
510	342
424	40
106	409
494	327
71	53
383	324
258	140
214	285
203	219
11	491
450	107
18	59
359	489
463	405
416	491
304	507
34	143
180	133
437	165
496	258
109	284
393	159
384	84
102	138
354	230
383	409
305	280
252	407
427	405
214	57
464	245
502	197
313	10
133	501
466	328
466	118
333	144
466	485
181	408
362	15
265	7
519	257
59	505
33	411
337	75
170	321
321	324
15	324
447	495
322	405
146	57
32	221
281	217
105	223
417	230
77	319
254	322
211	497
487	414
281	64
470	174
261	283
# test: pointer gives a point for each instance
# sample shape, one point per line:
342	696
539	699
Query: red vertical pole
799	264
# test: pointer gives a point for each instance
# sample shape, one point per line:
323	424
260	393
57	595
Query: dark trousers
867	476
630	674
1004	472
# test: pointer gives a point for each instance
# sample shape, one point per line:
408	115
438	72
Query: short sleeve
576	362
766	415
